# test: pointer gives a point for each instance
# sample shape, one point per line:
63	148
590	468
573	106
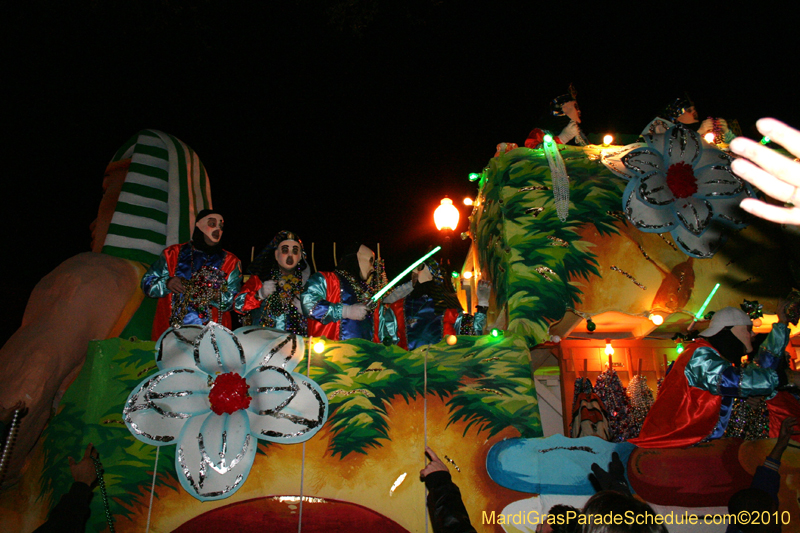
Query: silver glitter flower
215	392
681	185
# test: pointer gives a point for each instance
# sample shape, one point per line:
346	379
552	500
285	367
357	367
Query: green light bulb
495	333
473	176
454	274
548	138
679	348
765	140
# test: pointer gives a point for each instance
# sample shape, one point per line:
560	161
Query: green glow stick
699	315
406	271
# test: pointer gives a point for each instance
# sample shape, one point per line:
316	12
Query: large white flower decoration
682	185
215	393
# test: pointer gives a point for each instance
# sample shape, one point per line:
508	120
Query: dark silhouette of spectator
762	495
72	511
446	509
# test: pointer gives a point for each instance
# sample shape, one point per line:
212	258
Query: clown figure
338	304
694	403
562	122
683	111
195	281
426	310
275	301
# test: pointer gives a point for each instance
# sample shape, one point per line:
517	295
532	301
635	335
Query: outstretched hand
787	429
613	479
778	176
436	464
84	471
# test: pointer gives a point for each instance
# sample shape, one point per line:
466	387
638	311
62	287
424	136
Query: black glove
614	479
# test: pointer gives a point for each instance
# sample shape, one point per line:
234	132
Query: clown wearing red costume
338	304
695	400
271	297
195	281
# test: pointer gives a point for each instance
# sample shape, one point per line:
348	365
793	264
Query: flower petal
286	407
653	189
694	214
270	347
657	126
727	211
644	161
612	159
175	347
681	145
218	351
215	454
715	181
712	156
645	216
701	246
159	407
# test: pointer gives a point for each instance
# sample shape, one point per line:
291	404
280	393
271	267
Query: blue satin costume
424	326
709	371
316	305
189	260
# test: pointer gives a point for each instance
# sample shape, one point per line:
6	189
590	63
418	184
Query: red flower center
681	180
229	394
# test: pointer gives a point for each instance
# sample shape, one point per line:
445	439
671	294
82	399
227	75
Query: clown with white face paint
562	122
337	303
271	297
683	111
195	281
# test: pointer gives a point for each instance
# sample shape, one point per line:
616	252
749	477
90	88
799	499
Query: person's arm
771	350
767	477
387	325
399	292
154	281
249	296
72	511
778	176
707	370
445	506
234	283
314	303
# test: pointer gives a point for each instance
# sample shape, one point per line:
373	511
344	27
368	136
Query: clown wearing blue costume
338	304
271	297
196	281
426	311
694	403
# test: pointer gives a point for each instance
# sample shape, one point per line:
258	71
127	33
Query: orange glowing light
446	215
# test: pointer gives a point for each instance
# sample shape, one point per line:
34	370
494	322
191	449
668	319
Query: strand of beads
98	468
8	448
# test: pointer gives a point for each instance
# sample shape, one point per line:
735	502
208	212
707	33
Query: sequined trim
196	487
149	395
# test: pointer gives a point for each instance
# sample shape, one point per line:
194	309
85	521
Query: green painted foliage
517	232
484	381
91	411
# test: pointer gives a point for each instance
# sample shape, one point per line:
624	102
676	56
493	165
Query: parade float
363	411
331	437
605	275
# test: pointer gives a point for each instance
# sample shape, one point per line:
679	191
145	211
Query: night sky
341	120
